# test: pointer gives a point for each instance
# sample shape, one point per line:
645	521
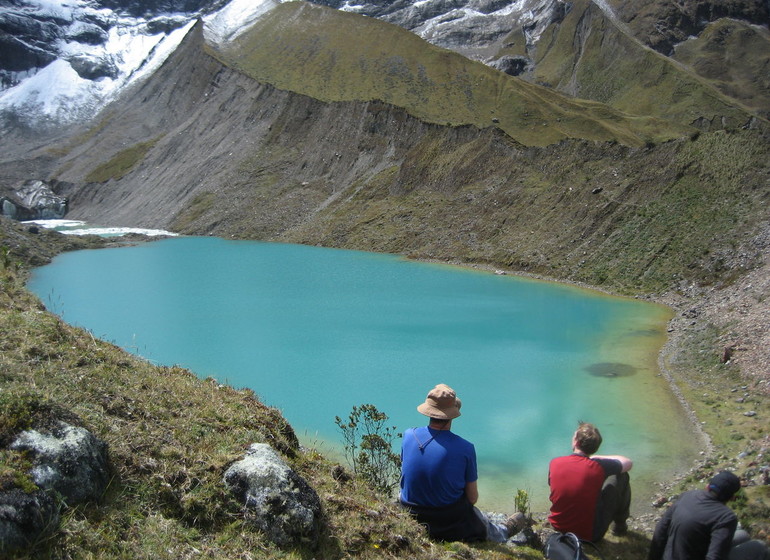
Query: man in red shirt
588	492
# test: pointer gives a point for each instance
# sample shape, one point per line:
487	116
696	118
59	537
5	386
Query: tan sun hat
441	402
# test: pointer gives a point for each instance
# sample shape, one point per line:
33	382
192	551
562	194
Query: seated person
439	478
588	491
699	525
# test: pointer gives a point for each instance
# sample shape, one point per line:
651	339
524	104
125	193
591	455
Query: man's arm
721	540
625	462
660	537
472	491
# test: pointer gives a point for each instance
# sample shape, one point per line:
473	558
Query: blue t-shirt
435	466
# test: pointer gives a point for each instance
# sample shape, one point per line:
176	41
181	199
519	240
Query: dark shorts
455	522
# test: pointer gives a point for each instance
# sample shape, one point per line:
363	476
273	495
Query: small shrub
521	501
368	444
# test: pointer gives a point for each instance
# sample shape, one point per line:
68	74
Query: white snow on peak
356	7
56	94
55	8
46	93
235	18
530	13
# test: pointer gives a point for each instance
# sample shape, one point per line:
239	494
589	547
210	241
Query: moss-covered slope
336	56
591	56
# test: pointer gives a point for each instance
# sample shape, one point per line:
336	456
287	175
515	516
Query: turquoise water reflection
315	331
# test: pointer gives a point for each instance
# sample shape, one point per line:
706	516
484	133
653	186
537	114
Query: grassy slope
735	57
591	57
318	52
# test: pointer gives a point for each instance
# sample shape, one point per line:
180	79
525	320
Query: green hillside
591	57
337	56
735	58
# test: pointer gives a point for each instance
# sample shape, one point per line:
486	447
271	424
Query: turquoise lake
316	331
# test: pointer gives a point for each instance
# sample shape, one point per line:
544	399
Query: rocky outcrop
33	200
276	500
70	467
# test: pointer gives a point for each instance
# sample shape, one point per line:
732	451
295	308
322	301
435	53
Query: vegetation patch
198	207
121	163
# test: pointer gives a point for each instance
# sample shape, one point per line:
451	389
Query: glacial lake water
316	331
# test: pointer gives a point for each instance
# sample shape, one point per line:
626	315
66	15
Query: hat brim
442	414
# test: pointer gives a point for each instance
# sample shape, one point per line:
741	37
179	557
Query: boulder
69	460
276	500
91	67
25	519
513	65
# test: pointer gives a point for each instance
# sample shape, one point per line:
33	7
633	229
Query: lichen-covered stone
277	500
69	460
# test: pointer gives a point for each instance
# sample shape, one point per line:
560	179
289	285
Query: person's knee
740	537
751	550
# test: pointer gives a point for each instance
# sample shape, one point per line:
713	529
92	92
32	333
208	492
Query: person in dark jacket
700	526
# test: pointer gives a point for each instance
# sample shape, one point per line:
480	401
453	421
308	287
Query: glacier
129	50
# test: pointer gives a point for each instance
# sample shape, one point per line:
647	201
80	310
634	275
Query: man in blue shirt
439	475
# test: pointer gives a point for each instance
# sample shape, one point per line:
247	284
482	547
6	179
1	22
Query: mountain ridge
300	166
347	62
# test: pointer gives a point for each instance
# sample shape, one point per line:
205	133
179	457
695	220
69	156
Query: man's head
724	486
441	403
587	438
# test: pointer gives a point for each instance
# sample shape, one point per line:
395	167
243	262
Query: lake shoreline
706	301
491	330
680	329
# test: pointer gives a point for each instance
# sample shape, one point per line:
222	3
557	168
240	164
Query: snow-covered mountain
63	60
475	28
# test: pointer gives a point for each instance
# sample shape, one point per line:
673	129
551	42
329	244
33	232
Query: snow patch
55	9
235	18
77	227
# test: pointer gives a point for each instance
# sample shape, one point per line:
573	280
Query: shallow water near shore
316	331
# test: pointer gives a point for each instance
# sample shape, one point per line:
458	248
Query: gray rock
513	65
277	500
25	519
33	200
69	460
